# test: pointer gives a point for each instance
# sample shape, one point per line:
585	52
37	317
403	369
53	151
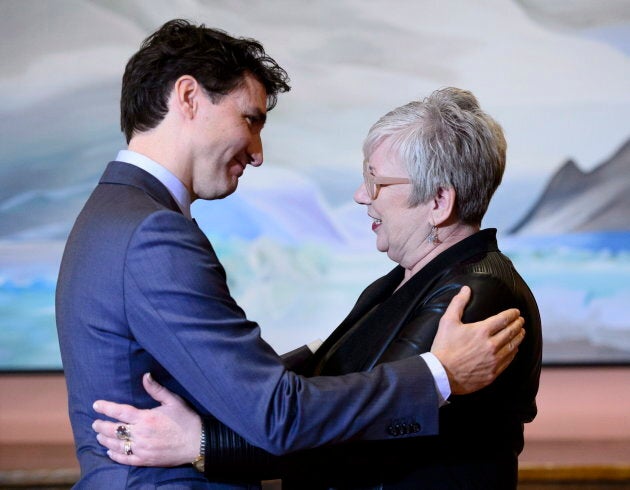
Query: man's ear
443	206
185	96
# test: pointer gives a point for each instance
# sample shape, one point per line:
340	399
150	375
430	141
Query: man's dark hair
217	60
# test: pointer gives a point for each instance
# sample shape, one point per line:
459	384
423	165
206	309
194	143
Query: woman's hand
168	435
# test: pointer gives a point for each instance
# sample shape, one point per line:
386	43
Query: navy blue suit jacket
141	289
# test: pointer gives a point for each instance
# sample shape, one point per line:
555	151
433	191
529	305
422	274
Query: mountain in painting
575	201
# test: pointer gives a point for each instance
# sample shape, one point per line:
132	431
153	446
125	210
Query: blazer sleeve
181	313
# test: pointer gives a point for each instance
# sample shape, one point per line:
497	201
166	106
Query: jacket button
393	430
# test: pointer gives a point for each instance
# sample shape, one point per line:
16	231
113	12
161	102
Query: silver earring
433	236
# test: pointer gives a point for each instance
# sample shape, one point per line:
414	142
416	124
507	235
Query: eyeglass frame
372	182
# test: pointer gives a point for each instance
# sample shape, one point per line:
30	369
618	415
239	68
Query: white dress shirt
175	186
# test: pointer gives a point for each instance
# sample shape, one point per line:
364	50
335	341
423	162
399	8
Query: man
141	290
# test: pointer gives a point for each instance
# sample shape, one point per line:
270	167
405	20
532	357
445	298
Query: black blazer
481	434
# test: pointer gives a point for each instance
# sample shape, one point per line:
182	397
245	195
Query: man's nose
255	151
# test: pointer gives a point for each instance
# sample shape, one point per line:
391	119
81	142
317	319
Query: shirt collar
171	182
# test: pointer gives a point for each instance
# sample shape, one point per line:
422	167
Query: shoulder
495	284
164	229
166	244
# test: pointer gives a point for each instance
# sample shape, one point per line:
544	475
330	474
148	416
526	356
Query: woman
430	170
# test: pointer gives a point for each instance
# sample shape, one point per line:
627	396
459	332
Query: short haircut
445	141
218	61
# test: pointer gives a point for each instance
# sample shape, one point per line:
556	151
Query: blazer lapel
364	332
381	311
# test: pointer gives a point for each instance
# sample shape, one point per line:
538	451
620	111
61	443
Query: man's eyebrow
257	116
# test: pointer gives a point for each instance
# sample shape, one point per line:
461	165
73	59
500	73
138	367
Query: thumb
454	312
158	392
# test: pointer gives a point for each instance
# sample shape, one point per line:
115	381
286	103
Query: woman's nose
361	195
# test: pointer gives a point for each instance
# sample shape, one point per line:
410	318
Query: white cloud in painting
556	94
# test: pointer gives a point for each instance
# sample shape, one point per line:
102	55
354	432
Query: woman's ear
443	206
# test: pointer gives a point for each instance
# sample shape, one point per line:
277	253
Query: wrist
440	375
200	461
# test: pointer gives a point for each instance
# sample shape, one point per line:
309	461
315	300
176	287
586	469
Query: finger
105	427
505	362
513	333
117	445
118	454
455	308
508	352
118	411
158	392
121	458
110	429
502	321
109	442
516	341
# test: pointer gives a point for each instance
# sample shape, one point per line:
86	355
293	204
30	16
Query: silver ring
127	448
123	433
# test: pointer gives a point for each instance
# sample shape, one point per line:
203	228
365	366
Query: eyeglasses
373	184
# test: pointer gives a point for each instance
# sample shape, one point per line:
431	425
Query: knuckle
492	346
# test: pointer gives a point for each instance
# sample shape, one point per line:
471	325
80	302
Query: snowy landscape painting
296	248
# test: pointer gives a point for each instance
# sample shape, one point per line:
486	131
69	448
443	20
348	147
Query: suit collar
122	173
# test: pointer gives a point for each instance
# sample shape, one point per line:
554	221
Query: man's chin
219	193
225	194
229	190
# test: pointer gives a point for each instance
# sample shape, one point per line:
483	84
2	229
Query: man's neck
165	176
158	149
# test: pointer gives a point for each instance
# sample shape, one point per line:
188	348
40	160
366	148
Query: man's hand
167	435
474	354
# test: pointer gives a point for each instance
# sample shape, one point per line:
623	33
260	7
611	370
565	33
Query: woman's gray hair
445	141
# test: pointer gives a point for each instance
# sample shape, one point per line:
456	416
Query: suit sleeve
231	457
180	311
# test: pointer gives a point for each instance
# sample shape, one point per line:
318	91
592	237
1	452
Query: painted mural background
297	249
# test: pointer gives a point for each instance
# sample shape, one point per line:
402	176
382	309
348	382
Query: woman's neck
447	236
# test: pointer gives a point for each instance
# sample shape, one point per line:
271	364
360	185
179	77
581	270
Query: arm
180	312
170	435
296	359
159	450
